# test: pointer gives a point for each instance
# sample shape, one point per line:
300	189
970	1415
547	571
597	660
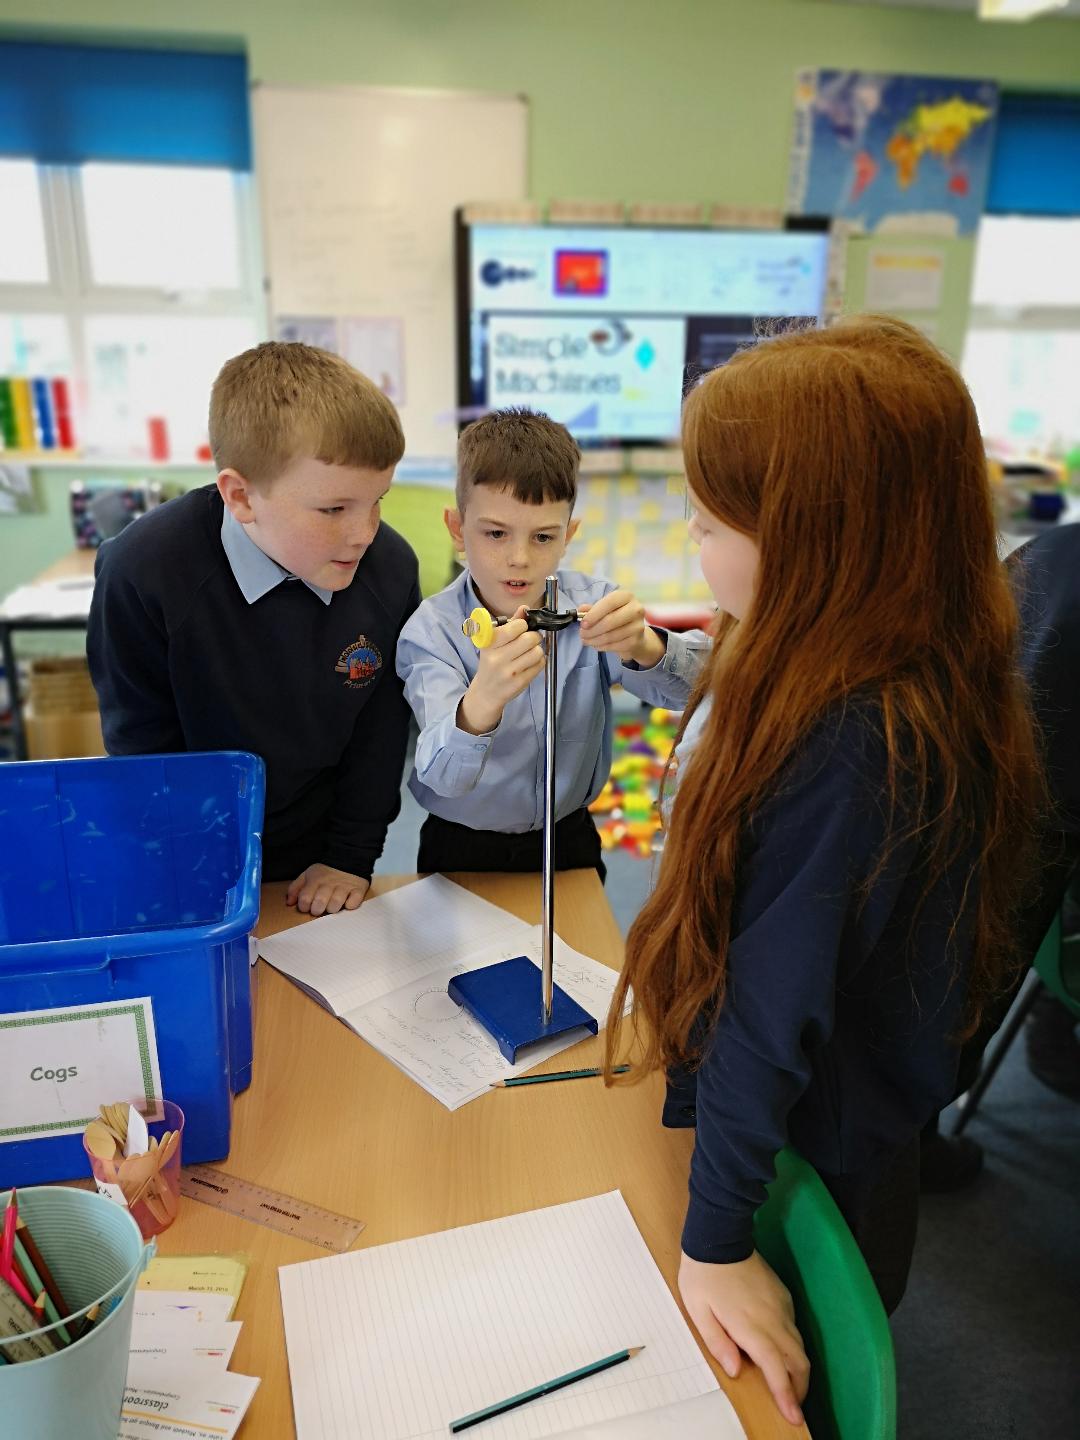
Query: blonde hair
282	401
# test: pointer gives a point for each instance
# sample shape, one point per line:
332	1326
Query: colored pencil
35	1282
501	1407
23	1235
554	1075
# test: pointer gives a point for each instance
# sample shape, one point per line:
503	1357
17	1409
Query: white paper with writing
442	1048
59	1065
190	1306
197	1401
172	1340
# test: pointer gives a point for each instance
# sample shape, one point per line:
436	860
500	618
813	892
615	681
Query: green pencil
555	1075
500	1407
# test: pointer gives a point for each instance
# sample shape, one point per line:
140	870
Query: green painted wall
643	99
630	99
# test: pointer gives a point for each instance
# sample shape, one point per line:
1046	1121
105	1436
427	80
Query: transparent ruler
269	1207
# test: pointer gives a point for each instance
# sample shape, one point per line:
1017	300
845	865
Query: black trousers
445	845
1061	854
881	1207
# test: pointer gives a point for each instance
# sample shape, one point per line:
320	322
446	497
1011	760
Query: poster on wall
896	153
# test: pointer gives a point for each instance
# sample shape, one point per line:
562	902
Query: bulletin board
633	531
358	189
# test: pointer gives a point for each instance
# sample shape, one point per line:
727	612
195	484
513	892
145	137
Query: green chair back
805	1239
1058	966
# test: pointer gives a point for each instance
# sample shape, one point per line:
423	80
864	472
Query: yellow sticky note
625	538
205	1274
650	512
594	515
669	590
629	485
624	575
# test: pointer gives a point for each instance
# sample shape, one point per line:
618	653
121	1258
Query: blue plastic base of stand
507	1000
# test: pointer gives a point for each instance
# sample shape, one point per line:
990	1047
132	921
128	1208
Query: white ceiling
1071	11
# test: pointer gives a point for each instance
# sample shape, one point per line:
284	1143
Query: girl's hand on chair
745	1307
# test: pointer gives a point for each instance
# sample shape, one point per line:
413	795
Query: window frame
71	293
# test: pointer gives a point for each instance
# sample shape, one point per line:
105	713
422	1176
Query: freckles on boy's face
317	520
511	547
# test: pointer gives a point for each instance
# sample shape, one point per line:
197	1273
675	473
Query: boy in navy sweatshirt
262	613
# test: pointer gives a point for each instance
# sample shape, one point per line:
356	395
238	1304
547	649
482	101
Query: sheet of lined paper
357	955
394	1342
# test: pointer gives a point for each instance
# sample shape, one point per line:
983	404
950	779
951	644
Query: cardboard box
63	737
62	719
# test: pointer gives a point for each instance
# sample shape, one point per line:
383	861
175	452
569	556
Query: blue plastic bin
131	876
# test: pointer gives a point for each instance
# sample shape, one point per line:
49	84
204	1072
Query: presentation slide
604	329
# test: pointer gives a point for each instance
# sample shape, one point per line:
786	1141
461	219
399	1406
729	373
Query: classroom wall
629	99
683	99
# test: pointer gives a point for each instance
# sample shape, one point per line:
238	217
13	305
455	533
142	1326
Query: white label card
60	1065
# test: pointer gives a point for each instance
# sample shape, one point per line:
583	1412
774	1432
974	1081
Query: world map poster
892	152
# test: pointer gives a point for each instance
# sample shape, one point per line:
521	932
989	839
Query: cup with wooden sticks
137	1170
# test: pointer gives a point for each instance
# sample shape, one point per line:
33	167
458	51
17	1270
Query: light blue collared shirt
496	781
254	571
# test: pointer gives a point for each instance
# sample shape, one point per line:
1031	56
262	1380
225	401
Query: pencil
22	1233
35	1282
549	1387
555	1075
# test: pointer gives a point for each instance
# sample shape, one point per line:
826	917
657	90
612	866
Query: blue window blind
1036	165
66	104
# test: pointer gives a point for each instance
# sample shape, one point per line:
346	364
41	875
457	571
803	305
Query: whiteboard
358	188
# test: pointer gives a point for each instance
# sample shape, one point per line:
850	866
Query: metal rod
547	916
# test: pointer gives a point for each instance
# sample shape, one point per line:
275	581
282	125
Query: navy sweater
181	661
834	1033
1046	576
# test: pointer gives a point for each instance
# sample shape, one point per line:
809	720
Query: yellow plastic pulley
479	628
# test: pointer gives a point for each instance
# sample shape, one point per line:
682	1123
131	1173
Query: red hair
853	458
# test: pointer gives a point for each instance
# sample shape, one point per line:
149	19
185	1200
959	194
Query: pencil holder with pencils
77	1257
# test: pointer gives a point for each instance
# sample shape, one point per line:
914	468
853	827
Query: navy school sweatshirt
834	1034
181	661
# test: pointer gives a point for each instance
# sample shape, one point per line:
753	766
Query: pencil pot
95	1255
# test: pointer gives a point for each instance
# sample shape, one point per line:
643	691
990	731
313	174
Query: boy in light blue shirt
479	757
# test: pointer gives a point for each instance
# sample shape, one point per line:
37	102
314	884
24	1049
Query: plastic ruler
269	1207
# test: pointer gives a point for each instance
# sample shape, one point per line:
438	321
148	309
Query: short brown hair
282	400
533	457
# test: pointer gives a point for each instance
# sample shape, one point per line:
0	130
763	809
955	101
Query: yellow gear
479	628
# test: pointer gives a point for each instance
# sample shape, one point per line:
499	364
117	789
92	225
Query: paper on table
442	1048
705	1417
205	1274
399	1340
347	959
196	1401
50	600
187	1304
170	1340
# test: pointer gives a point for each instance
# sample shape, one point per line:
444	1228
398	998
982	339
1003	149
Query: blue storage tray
129	876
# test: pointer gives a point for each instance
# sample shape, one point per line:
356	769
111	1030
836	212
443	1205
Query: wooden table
329	1120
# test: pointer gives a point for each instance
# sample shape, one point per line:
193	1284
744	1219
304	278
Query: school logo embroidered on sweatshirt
359	663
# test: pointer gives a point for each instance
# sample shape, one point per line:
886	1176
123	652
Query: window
135	281
128	259
1022	353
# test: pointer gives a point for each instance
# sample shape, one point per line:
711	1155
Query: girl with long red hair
855	788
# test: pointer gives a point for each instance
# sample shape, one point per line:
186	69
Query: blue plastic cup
96	1254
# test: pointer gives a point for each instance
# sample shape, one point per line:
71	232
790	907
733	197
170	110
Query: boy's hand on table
507	667
322	890
744	1306
617	623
